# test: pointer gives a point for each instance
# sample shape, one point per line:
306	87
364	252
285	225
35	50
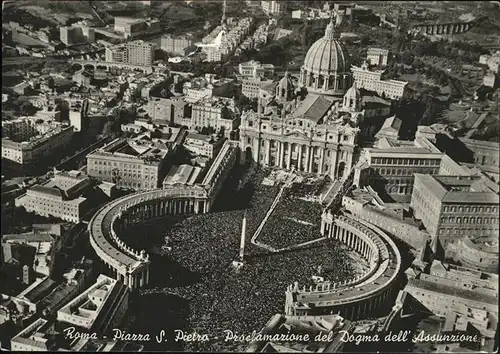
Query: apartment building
176	45
273	7
134	53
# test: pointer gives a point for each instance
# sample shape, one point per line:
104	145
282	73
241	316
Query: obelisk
243	234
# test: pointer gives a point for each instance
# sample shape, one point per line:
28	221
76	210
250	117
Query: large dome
327	55
327	65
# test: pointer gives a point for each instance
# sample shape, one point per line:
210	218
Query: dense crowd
220	297
310	187
261	200
292	222
241	301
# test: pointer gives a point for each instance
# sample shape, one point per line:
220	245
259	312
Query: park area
193	286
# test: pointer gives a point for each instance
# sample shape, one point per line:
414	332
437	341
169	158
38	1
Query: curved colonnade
132	266
362	295
128	265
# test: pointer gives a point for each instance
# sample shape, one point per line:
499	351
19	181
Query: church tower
352	99
285	89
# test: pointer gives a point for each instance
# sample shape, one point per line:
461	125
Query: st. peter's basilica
317	132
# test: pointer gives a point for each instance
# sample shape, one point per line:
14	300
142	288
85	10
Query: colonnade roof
385	273
100	225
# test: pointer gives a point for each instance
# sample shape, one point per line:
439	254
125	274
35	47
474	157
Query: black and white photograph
250	176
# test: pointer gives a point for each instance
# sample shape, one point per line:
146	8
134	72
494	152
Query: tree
108	128
305	34
164	93
365	39
243	103
430	114
26	109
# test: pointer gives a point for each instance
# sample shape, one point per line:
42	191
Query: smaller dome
286	81
353	93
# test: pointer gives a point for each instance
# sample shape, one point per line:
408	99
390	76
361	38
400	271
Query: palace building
317	133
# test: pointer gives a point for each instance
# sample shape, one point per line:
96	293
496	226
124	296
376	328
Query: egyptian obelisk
243	234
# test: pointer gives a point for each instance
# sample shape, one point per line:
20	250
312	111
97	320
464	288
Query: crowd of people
260	202
293	221
221	298
240	301
309	187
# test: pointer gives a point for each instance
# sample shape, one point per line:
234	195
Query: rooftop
301	325
313	107
86	308
142	147
451	290
417	147
378	51
183	174
28	237
490	145
39	334
458	189
197	136
38	290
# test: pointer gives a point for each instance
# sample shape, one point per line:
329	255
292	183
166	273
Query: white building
202	145
489	79
255	69
273	7
59	197
216	113
28	139
99	308
372	81
493	61
300	14
377	56
134	53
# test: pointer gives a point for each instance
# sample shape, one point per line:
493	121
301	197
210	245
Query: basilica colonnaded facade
317	134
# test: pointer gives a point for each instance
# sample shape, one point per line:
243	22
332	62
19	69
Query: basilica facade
313	126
